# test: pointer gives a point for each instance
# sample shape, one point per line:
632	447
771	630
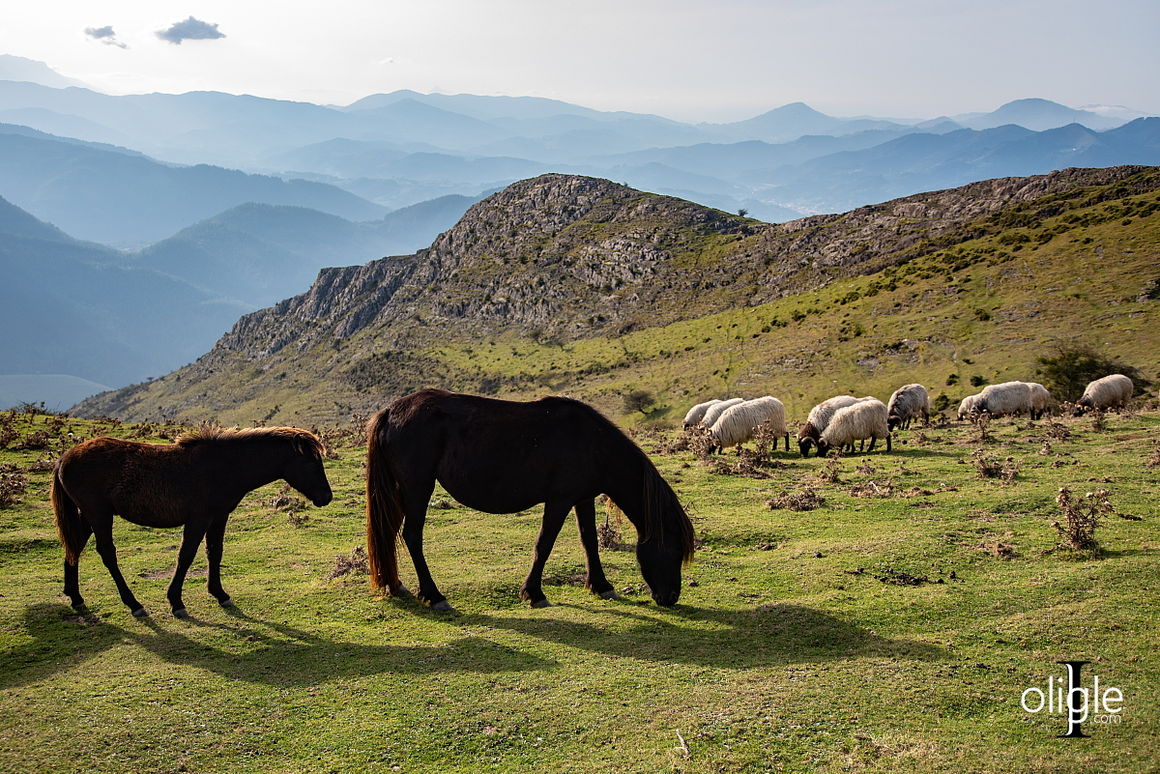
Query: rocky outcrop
564	257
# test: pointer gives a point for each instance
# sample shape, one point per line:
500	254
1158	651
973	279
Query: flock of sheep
842	421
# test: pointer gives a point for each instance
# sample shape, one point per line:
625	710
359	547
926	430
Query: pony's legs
586	520
554	515
213	552
415	508
190	539
102	526
72	588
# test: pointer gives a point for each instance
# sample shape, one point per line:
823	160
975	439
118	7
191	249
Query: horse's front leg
554	515
586	520
213	552
191	538
102	524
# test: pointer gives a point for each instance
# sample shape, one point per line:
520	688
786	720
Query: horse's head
660	565
304	470
665	543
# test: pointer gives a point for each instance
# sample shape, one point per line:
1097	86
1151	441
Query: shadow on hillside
259	651
769	635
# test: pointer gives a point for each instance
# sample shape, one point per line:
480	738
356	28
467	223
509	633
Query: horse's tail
384	509
69	525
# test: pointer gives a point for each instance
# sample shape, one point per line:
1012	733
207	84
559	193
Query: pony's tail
384	510
69	526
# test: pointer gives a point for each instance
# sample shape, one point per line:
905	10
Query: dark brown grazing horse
501	456
196	483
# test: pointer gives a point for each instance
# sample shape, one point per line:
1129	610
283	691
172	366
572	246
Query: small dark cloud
105	35
190	29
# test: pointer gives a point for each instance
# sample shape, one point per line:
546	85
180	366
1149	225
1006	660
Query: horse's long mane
208	433
662	508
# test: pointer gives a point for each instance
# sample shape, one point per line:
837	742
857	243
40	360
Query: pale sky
693	60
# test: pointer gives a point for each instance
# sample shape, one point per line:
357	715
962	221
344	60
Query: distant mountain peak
18	68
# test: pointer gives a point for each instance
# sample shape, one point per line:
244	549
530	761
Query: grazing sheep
818	418
697	413
714	412
1006	398
968	404
1040	400
908	402
1109	392
862	420
739	423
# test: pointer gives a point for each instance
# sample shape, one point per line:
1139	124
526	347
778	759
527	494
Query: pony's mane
662	507
207	433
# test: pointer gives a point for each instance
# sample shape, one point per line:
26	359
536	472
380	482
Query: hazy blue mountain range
260	253
80	317
71	307
110	196
404	147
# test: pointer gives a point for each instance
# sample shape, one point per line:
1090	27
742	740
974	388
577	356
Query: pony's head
665	542
304	469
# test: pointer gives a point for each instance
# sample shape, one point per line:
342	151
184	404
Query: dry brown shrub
872	488
1154	460
1099	420
1057	431
353	564
806	499
998	547
747	463
992	467
1081	518
830	473
42	464
12	485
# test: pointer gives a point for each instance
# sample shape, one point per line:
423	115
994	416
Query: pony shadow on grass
266	652
766	636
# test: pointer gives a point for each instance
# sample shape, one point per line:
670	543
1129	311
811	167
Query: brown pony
501	456
196	483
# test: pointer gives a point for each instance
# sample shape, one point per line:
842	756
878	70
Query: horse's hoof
401	591
181	612
541	603
610	594
140	613
442	604
227	602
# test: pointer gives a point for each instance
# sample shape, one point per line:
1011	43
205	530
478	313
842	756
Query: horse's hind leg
72	588
213	552
586	520
191	538
415	508
102	526
554	515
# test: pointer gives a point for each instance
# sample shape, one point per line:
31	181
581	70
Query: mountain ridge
570	262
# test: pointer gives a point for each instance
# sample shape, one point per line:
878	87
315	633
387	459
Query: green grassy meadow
797	645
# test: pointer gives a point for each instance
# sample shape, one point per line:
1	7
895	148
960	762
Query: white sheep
818	418
1040	400
1006	398
908	402
1109	392
697	413
716	410
739	423
862	420
968	404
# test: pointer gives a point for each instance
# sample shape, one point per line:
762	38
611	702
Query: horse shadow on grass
257	650
765	636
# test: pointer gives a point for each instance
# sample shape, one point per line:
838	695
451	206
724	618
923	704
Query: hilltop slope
589	287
